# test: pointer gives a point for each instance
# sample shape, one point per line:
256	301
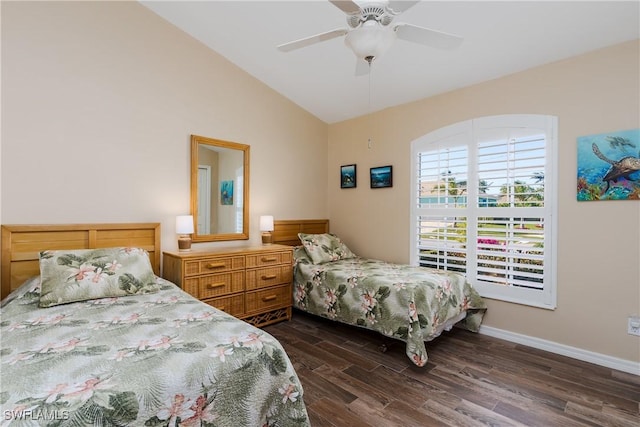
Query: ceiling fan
372	31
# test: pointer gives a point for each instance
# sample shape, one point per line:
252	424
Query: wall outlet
633	326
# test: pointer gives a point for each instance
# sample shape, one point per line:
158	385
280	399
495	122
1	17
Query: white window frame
464	133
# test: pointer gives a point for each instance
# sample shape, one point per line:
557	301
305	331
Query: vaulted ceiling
500	38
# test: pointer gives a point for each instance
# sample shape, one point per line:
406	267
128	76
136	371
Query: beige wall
99	100
598	242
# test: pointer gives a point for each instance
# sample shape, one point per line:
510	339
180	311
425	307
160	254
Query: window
484	204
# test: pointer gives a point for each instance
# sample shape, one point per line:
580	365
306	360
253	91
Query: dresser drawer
213	285
269	258
268	299
233	305
213	265
268	276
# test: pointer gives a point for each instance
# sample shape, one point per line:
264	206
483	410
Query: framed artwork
348	176
381	177
609	166
226	193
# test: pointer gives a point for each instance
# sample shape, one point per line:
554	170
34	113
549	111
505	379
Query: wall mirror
219	189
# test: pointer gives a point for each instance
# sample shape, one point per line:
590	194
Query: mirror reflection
219	189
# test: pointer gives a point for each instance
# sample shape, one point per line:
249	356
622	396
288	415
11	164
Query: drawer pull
269	298
271	259
268	277
215	285
212	265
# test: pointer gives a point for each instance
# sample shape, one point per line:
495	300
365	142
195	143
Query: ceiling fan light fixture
370	39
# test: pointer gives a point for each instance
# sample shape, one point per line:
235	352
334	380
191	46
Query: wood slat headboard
21	245
285	232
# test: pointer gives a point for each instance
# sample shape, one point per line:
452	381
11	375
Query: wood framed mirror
219	189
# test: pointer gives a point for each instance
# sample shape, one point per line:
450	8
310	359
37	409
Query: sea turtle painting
622	168
609	166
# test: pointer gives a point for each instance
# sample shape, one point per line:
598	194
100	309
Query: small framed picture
348	176
382	177
226	193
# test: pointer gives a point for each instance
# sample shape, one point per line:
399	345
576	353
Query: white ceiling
500	38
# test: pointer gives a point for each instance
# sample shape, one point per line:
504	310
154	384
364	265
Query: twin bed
408	303
140	351
144	353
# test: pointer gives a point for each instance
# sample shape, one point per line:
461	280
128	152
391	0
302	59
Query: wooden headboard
285	232
21	245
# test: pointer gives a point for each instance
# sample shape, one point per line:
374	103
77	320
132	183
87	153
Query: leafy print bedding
162	359
409	303
77	275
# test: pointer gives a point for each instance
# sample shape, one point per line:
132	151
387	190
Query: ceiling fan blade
427	36
362	67
347	6
399	6
297	44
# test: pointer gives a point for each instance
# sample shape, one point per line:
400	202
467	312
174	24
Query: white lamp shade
266	223
184	224
370	39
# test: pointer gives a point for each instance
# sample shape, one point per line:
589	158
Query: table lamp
184	228
266	226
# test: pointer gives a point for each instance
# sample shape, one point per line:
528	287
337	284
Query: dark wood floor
470	380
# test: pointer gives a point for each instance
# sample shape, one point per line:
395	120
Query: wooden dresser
252	283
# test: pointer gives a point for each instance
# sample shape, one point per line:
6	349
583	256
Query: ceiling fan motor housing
373	11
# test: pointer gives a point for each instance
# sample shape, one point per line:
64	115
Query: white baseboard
565	350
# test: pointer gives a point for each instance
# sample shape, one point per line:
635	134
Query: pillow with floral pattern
86	274
324	247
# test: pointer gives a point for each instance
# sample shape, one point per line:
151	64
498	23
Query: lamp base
184	243
267	238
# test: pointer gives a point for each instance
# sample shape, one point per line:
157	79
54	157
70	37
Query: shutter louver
441	245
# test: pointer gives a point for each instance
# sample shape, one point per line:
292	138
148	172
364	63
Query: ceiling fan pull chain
369	60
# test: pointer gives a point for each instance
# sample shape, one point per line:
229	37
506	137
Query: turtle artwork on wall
609	166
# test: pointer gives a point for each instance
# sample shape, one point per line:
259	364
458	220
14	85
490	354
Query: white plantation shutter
484	205
440	246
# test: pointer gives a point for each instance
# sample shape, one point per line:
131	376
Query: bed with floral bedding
137	351
413	304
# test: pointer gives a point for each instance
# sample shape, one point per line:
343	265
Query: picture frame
607	166
381	176
348	176
226	193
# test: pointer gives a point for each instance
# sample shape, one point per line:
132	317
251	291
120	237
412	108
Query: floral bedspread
162	359
400	301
